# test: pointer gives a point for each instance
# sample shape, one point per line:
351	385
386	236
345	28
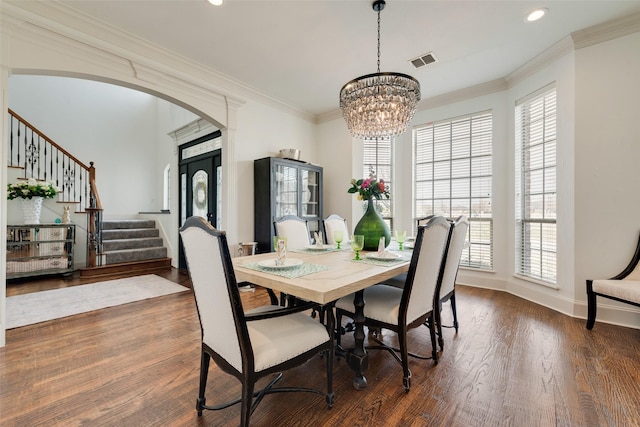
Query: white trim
606	31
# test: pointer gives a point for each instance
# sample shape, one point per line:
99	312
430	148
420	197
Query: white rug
38	307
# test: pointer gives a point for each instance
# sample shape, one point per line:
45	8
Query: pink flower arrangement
369	187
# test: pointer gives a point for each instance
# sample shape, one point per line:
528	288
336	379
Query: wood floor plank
513	363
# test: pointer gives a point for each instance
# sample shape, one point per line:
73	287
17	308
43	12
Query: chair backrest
215	289
335	222
420	292
295	229
456	245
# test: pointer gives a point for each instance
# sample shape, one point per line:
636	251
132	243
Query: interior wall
607	196
112	126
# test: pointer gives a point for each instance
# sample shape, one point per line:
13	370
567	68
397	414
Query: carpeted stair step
119	224
127	255
135	243
127	241
129	233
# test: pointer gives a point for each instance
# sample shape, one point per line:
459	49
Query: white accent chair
400	310
248	345
295	229
452	263
336	223
624	287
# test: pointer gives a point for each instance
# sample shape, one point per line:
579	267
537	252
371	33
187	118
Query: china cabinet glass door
286	190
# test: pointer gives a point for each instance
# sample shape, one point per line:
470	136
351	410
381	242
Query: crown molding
549	56
470	92
150	60
606	31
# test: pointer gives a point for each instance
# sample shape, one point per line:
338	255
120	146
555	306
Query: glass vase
372	227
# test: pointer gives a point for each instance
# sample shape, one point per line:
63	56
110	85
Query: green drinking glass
357	242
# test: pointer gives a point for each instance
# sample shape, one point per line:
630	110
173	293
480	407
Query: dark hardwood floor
513	363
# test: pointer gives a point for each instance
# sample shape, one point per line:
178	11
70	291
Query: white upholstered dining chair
400	310
295	229
333	223
450	273
248	345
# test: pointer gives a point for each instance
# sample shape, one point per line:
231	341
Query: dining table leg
358	359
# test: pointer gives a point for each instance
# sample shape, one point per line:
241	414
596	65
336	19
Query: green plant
31	188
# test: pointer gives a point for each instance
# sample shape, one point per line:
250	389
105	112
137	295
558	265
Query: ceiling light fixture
215	2
536	14
380	104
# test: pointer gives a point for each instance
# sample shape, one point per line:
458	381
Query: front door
200	181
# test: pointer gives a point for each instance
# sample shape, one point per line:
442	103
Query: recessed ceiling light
215	2
536	14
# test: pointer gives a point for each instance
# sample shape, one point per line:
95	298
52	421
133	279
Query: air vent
426	59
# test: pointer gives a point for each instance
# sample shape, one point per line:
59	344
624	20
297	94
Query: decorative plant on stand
371	225
31	193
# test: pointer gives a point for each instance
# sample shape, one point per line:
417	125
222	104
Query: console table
39	249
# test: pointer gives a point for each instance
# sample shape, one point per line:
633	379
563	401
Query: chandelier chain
379	39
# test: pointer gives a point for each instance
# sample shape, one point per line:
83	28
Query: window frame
535	143
372	149
452	182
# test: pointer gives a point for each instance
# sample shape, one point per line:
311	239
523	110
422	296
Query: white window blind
377	157
453	177
535	208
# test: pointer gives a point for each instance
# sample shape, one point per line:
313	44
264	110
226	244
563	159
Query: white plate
320	247
408	245
288	263
388	256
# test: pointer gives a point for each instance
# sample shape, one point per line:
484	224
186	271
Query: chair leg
204	371
454	310
330	397
338	326
591	305
438	325
406	372
432	332
247	400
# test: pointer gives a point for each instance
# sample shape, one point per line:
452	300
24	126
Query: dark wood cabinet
285	187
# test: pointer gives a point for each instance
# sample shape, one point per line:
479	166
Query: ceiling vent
426	59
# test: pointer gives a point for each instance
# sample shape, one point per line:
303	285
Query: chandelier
380	104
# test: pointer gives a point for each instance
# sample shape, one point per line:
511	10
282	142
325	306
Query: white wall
112	126
607	191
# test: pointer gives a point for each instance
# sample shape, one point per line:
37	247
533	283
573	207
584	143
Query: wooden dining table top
343	277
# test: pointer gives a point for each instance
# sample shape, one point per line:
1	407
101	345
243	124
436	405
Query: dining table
323	275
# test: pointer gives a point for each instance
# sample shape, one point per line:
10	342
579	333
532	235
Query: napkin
381	249
318	237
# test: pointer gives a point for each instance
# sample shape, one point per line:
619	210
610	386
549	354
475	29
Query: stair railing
42	159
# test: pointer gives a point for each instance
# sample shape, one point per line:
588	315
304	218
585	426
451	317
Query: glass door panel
310	194
286	193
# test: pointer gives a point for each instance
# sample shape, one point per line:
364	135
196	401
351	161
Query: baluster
11	143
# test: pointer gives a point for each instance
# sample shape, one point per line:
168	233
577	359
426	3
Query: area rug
39	307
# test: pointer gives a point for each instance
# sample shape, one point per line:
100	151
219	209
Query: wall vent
422	60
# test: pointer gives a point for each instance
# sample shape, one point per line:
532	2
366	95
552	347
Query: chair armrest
279	312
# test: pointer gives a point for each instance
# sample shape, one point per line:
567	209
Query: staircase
130	245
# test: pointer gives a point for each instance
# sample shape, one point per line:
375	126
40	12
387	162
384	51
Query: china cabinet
38	249
285	187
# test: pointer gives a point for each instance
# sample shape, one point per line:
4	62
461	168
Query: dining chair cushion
382	303
279	339
628	290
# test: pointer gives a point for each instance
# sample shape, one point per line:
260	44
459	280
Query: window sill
537	282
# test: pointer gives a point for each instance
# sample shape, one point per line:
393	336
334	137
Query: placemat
289	273
365	260
312	251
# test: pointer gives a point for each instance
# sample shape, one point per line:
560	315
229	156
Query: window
535	171
453	177
377	158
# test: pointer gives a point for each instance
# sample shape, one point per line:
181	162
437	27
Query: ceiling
301	52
